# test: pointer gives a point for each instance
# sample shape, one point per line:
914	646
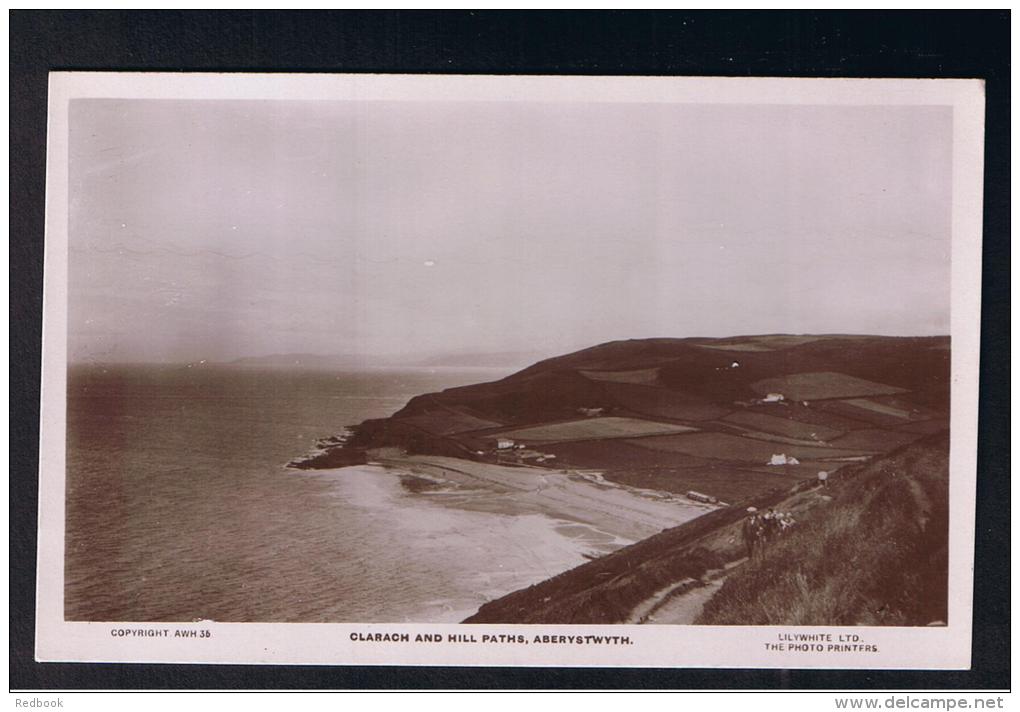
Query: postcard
510	370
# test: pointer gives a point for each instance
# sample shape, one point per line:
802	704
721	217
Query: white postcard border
946	647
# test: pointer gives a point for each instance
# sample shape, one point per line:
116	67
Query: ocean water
179	505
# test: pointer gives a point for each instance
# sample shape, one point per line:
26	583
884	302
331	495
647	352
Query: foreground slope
876	554
868	549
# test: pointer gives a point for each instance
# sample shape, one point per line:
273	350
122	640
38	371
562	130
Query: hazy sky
222	229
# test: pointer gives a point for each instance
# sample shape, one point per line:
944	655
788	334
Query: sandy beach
625	514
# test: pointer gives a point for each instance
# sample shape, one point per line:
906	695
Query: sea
180	506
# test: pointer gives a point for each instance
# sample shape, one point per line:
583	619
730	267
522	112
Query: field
593	429
926	427
867	417
816	414
734	447
773	438
873	439
663	403
764	344
807	470
879	408
448	422
915	410
785	341
782	426
615	454
726	482
821	385
746	346
645	376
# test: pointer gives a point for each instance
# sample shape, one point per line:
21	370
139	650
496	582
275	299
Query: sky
221	229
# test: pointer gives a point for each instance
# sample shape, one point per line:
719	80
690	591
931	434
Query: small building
782	459
591	412
735	364
774	398
504	444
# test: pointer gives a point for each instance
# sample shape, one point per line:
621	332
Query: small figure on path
770	525
752	531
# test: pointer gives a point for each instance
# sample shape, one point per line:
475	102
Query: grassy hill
869	549
688	414
876	554
713	416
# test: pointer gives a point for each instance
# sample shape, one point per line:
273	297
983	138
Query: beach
609	514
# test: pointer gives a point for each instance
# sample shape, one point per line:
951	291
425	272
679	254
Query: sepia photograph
510	370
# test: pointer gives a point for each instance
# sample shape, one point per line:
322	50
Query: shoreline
624	513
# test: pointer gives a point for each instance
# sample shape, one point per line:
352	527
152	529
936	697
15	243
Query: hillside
875	555
868	549
676	415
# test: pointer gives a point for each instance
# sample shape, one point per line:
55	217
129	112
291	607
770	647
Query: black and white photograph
525	370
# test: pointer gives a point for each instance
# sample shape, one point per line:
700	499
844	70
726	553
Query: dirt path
685	609
682	602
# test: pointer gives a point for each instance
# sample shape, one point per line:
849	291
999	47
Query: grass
726	482
646	376
782	426
816	414
822	385
733	447
593	429
926	427
880	408
781	341
747	346
913	409
875	555
614	454
448	422
866	417
663	403
778	439
873	439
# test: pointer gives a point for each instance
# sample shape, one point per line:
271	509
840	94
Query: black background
745	43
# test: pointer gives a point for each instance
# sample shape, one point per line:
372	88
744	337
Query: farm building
699	497
504	444
782	459
774	398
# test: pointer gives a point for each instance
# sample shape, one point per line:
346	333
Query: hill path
681	603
